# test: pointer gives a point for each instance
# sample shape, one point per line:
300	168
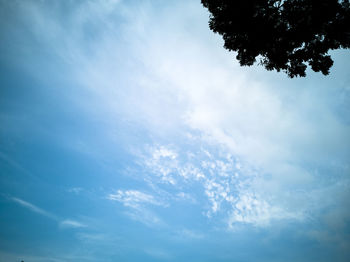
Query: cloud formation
183	83
133	198
139	206
225	182
33	208
241	148
71	223
64	223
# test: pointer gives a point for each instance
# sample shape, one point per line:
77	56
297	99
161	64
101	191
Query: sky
128	133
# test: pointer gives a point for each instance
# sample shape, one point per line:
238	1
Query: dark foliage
284	35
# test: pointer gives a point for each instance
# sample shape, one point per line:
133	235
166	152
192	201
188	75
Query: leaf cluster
283	34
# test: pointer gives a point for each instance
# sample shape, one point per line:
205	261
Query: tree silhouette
284	35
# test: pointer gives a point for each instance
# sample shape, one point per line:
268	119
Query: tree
284	35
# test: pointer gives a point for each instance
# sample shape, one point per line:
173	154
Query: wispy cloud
145	216
187	197
93	237
134	198
139	206
71	223
75	190
64	223
34	208
255	210
190	234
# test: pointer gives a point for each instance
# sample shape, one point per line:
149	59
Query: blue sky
127	133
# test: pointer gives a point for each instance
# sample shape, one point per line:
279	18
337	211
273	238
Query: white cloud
138	204
145	216
89	237
71	223
33	208
163	162
163	152
252	209
75	190
231	188
186	197
65	223
134	198
190	234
